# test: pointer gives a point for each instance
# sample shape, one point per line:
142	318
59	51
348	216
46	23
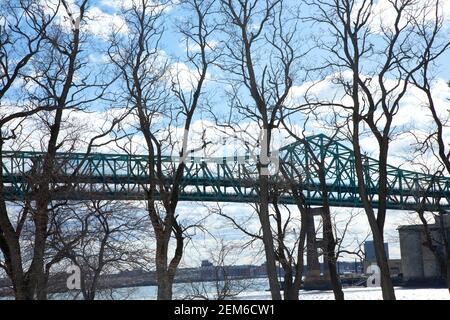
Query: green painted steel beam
117	176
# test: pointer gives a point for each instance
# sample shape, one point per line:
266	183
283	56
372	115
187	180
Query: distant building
206	263
369	251
369	254
419	264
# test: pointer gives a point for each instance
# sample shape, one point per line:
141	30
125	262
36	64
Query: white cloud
128	4
102	24
97	22
413	116
384	13
185	77
194	47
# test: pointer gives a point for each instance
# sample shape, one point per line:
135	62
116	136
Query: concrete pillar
431	266
312	256
313	278
411	253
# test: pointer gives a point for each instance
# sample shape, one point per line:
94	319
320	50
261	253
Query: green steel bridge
226	179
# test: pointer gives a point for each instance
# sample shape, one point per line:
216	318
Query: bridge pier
314	278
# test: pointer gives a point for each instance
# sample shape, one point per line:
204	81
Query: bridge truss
229	179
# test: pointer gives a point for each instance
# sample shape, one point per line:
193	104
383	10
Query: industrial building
419	264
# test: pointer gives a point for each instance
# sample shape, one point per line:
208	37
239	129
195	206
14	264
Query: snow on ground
257	290
360	294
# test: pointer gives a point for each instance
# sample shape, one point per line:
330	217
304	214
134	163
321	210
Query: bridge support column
314	279
312	256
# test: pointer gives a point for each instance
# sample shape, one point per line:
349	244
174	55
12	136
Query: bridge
227	179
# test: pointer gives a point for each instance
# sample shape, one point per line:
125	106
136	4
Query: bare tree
223	285
291	247
23	30
289	233
319	167
58	83
342	233
429	29
376	90
101	238
146	79
261	56
67	85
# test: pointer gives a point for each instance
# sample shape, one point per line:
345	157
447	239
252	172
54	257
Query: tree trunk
290	291
448	272
165	272
36	273
386	282
13	260
268	238
331	258
9	244
164	286
331	252
330	242
335	281
293	293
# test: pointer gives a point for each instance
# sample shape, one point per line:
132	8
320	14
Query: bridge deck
125	177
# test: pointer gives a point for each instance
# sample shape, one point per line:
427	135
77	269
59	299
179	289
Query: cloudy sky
104	16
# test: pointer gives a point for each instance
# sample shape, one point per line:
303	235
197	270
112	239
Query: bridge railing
230	178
